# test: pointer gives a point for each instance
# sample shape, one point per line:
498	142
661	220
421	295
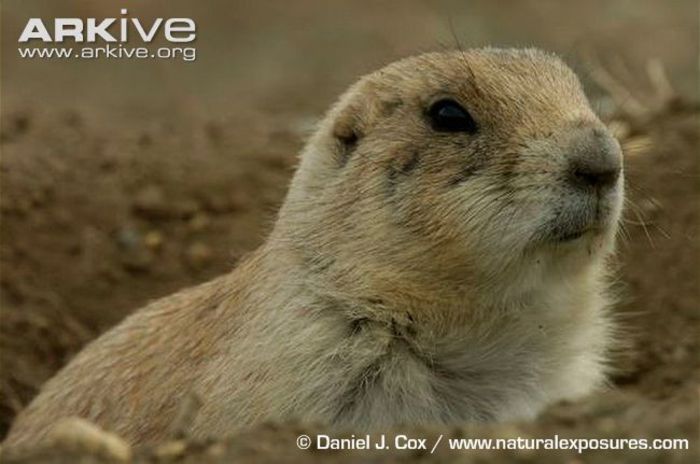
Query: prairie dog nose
595	159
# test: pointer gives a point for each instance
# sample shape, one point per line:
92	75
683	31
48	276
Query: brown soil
108	204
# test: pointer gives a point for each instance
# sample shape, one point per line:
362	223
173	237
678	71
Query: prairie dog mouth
565	235
579	219
570	237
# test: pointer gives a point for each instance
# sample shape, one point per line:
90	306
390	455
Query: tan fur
406	280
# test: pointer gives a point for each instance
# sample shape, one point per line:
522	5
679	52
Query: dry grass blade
624	99
635	98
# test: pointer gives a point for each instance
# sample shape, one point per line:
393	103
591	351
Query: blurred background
299	55
124	180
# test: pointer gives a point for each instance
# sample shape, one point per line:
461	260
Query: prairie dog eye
447	115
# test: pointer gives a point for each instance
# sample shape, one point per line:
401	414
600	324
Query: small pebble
76	434
171	450
199	222
153	240
150	203
198	254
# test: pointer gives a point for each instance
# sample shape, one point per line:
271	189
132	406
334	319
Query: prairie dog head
456	172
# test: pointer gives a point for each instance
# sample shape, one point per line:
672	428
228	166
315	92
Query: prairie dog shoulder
440	258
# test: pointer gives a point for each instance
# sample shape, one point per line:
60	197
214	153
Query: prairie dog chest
392	377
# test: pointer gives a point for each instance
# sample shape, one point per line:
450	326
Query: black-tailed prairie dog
439	259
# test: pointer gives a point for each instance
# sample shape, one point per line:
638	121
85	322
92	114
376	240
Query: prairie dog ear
354	120
347	131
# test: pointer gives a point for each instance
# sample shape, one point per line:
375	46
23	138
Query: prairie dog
439	259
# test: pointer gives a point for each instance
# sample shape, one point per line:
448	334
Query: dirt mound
99	217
